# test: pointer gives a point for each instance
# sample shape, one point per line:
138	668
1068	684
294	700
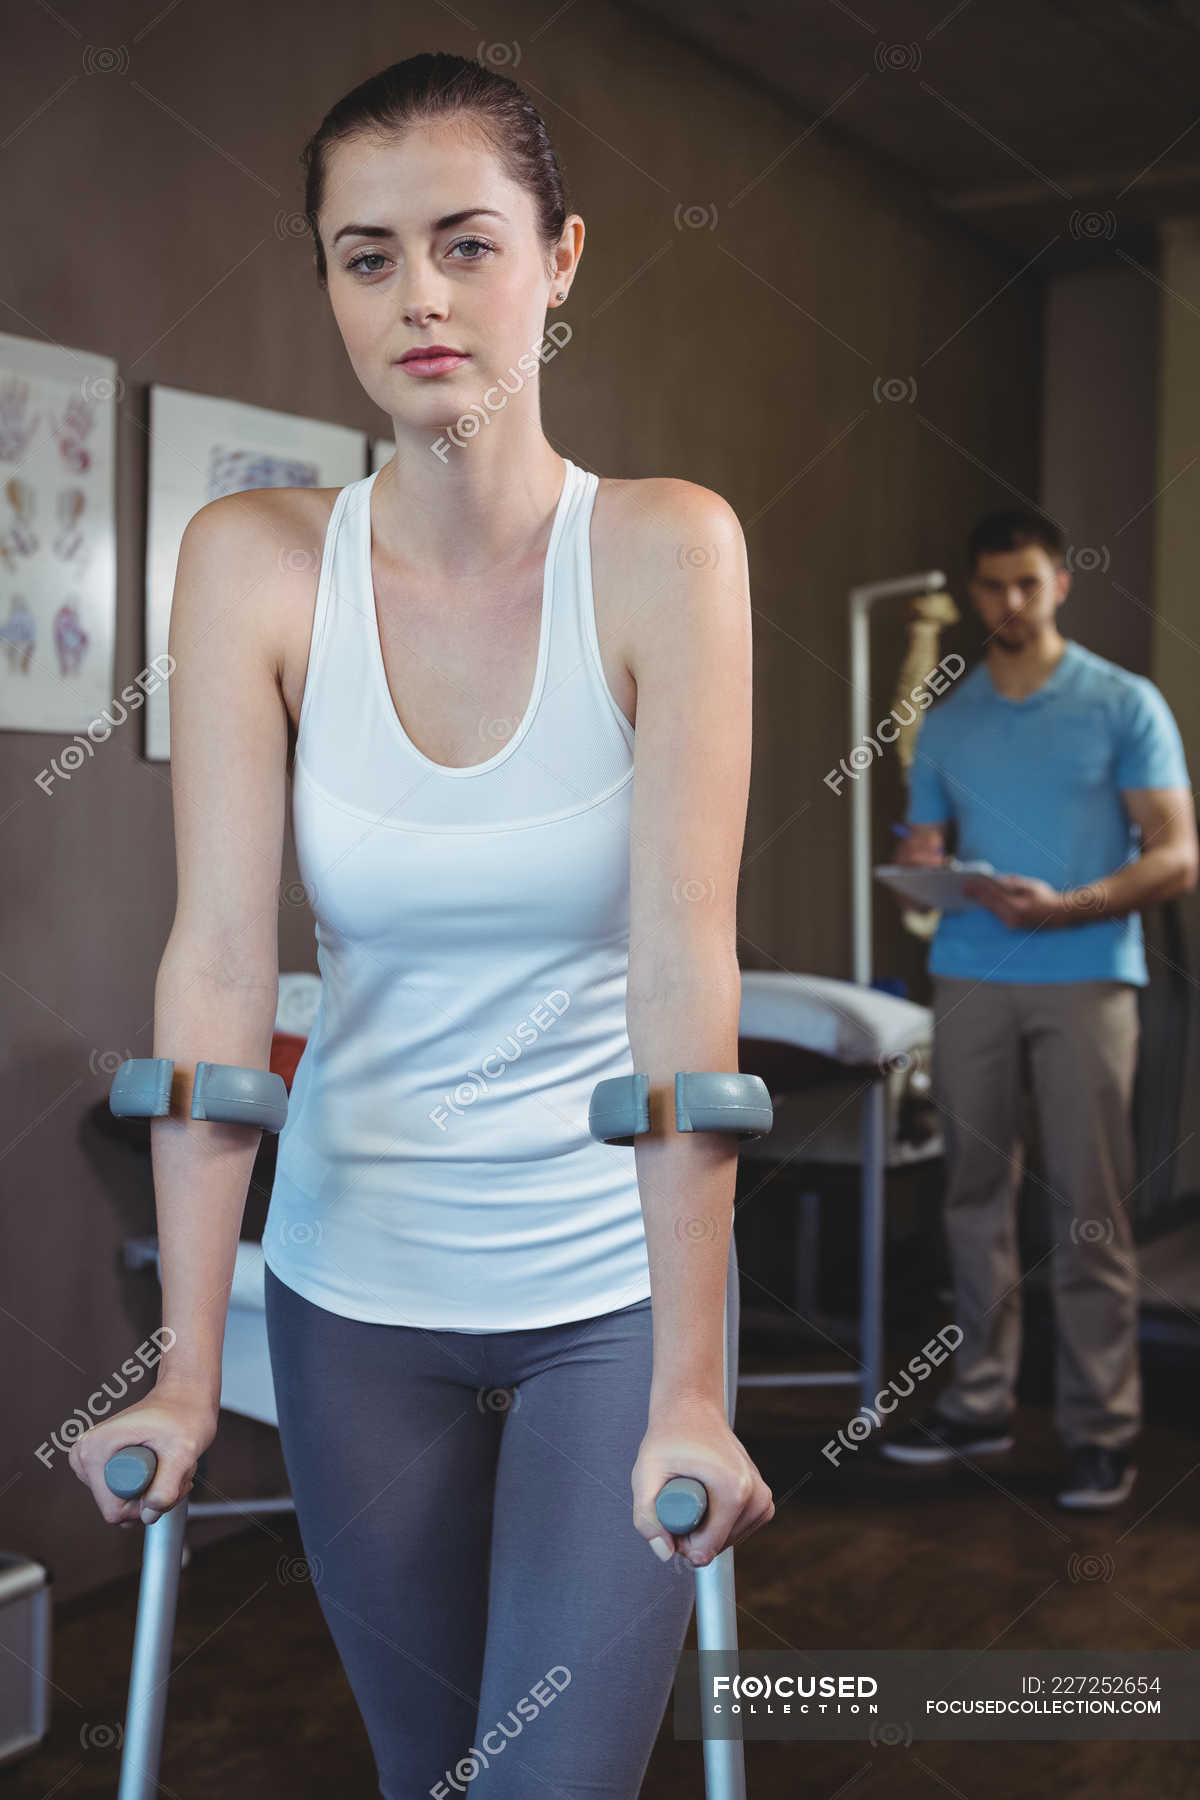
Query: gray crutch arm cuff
141	1088
734	1103
620	1109
737	1103
223	1092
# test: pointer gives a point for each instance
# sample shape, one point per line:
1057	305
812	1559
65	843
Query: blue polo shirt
1034	788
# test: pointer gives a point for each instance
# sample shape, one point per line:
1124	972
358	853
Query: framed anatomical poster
58	576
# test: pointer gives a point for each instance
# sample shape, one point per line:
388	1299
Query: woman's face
399	278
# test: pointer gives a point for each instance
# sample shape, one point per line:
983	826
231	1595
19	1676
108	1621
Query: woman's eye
358	264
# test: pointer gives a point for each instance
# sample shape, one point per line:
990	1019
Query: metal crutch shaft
739	1105
230	1094
129	1473
681	1505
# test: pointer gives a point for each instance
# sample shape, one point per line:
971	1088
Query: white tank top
435	1167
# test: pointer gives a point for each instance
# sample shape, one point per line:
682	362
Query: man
1050	761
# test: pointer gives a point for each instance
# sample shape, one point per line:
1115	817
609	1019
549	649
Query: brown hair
1014	531
437	86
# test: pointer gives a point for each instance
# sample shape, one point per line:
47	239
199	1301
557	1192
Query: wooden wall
747	351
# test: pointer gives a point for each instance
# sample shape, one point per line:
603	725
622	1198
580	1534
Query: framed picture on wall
200	448
58	565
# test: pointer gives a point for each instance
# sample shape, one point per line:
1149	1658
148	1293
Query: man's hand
922	848
1021	901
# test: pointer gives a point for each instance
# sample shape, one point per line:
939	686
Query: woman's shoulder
660	527
660	541
262	515
658	504
261	548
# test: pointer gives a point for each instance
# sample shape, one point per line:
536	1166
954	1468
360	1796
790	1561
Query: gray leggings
464	1504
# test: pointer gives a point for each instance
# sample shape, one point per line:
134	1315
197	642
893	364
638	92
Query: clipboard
939	887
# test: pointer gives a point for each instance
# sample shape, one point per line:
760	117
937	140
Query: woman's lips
432	365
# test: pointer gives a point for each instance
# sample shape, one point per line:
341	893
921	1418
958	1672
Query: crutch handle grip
681	1504
130	1471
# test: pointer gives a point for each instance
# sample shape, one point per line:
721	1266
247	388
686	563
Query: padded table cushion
838	1019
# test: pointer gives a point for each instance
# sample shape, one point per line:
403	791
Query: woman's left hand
692	1437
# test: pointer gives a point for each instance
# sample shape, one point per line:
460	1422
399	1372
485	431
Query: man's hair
1013	531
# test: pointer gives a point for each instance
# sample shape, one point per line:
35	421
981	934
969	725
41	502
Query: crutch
142	1089
741	1104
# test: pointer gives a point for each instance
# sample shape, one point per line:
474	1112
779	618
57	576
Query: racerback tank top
472	924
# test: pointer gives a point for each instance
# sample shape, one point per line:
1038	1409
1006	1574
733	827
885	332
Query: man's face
1016	594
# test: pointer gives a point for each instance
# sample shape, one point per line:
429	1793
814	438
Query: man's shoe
934	1438
1096	1477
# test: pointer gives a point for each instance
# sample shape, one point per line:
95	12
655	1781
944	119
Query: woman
486	1328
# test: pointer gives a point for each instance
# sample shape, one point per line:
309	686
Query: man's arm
1168	864
923	844
1152	779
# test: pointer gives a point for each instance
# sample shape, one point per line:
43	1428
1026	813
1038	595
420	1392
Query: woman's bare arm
217	987
691	659
690	654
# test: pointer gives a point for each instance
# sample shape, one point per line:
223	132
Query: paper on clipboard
940	886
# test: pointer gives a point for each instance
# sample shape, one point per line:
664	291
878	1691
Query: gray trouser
1081	1041
464	1502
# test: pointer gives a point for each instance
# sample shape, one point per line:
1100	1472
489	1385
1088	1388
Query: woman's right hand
178	1427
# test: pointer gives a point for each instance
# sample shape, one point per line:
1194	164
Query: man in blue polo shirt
1066	773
